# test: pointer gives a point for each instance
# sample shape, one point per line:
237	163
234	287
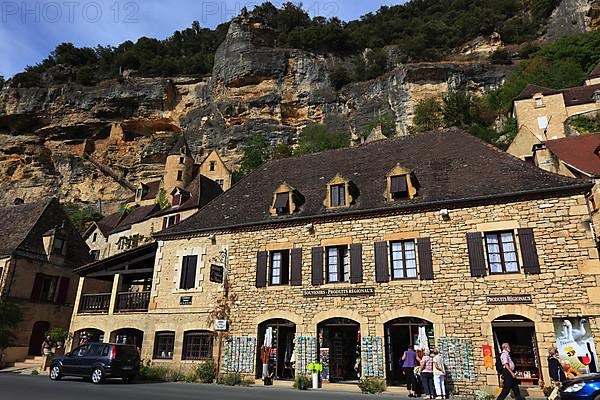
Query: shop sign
509	299
216	273
349	292
185	300
221	325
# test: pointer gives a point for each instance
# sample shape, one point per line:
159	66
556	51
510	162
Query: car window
105	351
95	350
127	351
81	351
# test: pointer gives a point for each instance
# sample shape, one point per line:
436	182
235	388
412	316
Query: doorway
87	335
38	334
339	349
400	333
128	336
280	335
519	332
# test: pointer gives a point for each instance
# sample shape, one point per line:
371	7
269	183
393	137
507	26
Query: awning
136	261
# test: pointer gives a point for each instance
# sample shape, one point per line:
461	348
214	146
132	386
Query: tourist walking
47	346
427	375
439	375
556	371
409	362
509	377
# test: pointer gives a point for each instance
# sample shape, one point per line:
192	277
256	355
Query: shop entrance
519	332
128	336
401	333
278	335
339	349
87	335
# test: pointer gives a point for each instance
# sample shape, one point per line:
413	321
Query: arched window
197	345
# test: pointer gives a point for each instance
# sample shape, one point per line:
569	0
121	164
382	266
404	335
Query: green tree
456	108
82	216
256	152
281	150
10	317
427	115
315	138
339	77
385	121
162	199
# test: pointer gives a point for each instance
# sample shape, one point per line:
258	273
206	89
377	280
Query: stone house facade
369	248
39	250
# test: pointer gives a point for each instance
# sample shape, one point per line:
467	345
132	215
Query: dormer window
212	166
597	96
179	175
285	200
401	184
139	193
538	102
58	246
181	160
340	193
179	197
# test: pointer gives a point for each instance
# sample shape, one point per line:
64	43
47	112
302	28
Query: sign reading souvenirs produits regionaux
349	292
509	299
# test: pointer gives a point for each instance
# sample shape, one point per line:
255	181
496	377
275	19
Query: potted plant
315	368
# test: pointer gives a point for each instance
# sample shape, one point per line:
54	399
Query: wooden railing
132	301
94	303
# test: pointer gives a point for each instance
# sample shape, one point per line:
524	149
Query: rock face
255	89
573	16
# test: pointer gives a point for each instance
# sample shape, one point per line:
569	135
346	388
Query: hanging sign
221	325
509	299
216	273
488	359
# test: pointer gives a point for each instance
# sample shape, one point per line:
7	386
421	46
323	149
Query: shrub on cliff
315	138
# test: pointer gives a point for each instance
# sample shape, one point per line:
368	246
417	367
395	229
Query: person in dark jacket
557	373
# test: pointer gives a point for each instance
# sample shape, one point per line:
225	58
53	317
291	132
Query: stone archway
342	313
411	312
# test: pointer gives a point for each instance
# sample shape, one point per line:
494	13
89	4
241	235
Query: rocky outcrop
255	89
573	16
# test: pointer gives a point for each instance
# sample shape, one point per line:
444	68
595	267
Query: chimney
18	201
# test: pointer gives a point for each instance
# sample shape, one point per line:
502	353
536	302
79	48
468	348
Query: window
404	259
282	203
197	345
188	272
95	237
172	220
597	96
81	351
538	102
181	160
280	267
164	343
139	193
398	187
338	195
179	175
177	199
501	252
95	254
338	265
542	122
45	288
58	245
212	166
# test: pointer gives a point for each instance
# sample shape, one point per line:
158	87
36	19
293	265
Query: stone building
186	186
541	112
346	256
39	248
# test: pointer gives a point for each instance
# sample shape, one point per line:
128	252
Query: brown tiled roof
595	72
152	190
136	215
451	167
106	224
202	189
580	95
531	90
579	152
23	226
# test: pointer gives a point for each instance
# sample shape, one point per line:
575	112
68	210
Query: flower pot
315	380
265	370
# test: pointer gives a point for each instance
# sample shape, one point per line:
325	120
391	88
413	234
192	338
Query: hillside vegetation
422	30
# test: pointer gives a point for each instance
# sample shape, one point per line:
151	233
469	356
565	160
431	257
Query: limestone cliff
51	137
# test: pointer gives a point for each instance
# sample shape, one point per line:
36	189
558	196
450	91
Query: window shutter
37	287
184	273
531	262
425	260
317	266
356	266
261	269
476	254
63	290
191	275
382	273
165	219
177	218
285	267
296	278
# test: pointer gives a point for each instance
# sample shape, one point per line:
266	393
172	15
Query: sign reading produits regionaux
509	299
349	292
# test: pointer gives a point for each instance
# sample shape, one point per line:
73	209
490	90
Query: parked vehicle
584	387
98	361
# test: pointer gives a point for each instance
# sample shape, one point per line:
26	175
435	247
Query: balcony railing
94	303
132	301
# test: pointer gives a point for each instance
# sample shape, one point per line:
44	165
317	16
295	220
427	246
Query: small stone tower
179	166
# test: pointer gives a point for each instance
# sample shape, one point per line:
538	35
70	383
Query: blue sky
30	30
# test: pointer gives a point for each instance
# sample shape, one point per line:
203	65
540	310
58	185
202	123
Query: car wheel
97	375
55	373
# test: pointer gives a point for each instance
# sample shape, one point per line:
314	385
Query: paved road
23	387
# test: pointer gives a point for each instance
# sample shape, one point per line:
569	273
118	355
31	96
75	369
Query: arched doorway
278	334
87	335
128	336
38	334
519	332
400	333
339	349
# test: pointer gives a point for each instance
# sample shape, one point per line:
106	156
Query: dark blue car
98	361
585	387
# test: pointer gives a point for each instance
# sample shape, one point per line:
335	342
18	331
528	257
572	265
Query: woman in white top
439	375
